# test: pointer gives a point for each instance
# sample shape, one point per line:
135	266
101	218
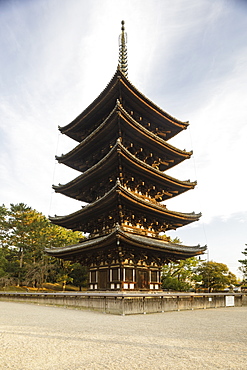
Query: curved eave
125	152
110	200
156	245
94	208
104	100
156	207
109	127
98	104
160	245
90	175
88	140
148	133
93	174
150	105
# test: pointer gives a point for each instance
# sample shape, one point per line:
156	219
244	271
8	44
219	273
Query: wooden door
102	280
142	279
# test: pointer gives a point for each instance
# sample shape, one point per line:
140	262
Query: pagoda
123	155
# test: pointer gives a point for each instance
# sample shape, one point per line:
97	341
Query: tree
179	275
3	263
3	225
24	235
243	268
215	276
79	275
3	245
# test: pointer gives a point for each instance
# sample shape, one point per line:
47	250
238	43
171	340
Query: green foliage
172	283
180	275
79	275
24	235
3	263
243	268
190	273
3	225
215	276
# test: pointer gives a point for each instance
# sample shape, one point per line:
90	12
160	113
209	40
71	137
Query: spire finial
123	59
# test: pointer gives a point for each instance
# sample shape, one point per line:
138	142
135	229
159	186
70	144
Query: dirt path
42	337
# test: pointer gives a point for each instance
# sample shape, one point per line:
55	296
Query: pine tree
243	268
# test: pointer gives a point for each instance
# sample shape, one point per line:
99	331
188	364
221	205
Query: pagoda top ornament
123	57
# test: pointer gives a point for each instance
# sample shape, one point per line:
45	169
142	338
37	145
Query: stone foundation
131	303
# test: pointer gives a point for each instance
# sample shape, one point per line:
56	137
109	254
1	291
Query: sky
188	57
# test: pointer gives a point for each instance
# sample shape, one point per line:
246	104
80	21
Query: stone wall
133	303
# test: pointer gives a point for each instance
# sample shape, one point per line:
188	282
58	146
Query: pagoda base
124	277
124	261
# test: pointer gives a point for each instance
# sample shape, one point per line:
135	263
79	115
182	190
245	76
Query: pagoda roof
121	88
160	246
79	188
105	136
119	195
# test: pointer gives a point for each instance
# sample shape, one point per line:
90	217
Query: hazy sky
189	57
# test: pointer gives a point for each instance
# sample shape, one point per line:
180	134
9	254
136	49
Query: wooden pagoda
123	154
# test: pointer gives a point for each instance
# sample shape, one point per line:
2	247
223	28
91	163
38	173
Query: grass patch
48	287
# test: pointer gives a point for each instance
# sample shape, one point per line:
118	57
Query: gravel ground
46	337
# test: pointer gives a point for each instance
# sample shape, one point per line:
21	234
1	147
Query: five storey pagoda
123	154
